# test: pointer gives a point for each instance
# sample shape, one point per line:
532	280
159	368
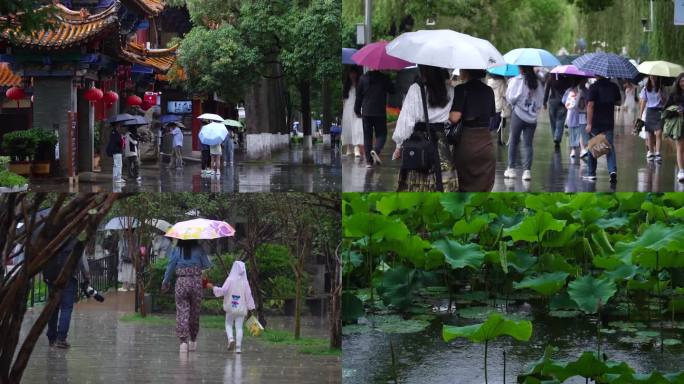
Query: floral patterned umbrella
200	229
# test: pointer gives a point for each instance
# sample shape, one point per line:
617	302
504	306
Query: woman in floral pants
187	260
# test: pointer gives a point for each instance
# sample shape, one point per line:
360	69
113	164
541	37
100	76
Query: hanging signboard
679	12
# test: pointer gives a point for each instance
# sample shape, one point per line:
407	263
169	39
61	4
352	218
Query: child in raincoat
237	302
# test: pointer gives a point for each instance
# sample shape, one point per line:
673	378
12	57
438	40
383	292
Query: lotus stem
485	361
504	366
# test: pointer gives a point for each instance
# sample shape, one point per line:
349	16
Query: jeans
58	325
518	128
379	125
118	166
228	150
612	162
557	113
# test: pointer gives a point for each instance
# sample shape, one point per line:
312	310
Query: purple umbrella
374	57
571	70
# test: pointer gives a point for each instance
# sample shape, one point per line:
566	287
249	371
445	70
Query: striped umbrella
607	65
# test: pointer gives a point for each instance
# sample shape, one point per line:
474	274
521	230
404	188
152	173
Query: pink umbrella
200	229
375	57
570	70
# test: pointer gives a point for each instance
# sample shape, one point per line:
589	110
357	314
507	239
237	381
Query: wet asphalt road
552	171
285	171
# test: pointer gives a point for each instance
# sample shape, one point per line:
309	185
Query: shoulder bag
453	132
420	153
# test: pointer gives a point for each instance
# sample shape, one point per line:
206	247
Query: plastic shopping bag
253	326
599	146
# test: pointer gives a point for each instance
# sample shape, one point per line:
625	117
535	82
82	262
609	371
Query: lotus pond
526	288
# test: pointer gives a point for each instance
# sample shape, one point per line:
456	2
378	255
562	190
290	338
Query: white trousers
238	321
118	165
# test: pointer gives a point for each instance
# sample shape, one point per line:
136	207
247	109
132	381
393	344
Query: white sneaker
376	158
658	157
238	349
527	175
510	173
192	346
218	172
650	156
120	181
184	348
680	176
231	344
584	153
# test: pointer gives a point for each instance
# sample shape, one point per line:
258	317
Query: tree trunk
305	95
326	96
335	301
298	304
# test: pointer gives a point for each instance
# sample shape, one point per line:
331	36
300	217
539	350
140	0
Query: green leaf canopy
589	293
533	228
460	256
546	284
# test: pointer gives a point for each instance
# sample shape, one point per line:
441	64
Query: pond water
425	358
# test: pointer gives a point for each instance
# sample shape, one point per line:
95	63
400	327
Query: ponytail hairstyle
531	80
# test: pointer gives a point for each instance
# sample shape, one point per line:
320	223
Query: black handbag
453	132
420	152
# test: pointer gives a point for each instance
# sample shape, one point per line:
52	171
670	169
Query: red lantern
133	100
15	93
93	94
145	105
110	97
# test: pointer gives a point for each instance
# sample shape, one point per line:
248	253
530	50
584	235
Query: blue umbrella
606	65
213	134
532	57
507	70
347	54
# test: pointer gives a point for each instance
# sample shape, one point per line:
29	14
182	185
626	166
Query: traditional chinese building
108	44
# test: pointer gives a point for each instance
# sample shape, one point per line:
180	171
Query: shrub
9	179
20	145
45	144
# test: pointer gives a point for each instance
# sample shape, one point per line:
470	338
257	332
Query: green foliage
28	17
495	326
591	293
9	179
546	284
20	145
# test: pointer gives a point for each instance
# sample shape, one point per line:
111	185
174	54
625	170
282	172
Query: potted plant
20	146
45	151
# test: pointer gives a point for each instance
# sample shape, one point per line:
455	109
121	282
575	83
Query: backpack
234	302
55	264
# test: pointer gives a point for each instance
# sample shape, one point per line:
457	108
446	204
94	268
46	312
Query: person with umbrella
177	134
213	135
207	118
187	261
352	125
229	142
554	89
115	145
675	129
132	140
372	92
652	100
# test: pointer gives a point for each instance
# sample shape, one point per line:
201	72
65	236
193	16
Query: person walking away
187	261
503	109
352	125
475	105
177	135
126	272
60	320
554	89
206	155
629	106
575	101
229	148
673	130
411	122
526	95
371	105
115	147
131	152
602	98
237	302
652	102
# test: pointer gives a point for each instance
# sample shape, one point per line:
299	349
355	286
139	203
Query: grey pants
518	128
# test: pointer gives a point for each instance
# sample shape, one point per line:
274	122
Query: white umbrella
211	116
445	49
119	223
160	224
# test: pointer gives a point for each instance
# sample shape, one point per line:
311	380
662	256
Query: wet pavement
285	171
552	171
106	350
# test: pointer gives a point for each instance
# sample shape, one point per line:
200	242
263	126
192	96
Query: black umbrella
136	120
120	117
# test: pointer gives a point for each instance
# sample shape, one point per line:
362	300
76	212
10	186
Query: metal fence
103	275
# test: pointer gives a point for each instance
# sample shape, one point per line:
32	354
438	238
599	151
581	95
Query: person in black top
554	89
677	98
371	105
474	157
602	98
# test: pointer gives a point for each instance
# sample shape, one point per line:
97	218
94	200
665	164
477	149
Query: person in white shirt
352	125
526	95
177	135
439	99
653	99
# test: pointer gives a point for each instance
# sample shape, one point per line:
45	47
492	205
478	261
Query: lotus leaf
546	284
458	255
533	228
591	293
495	326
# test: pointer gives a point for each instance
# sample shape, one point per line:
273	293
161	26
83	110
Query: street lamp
360	34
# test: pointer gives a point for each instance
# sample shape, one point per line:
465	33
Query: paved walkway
284	172
106	350
552	171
